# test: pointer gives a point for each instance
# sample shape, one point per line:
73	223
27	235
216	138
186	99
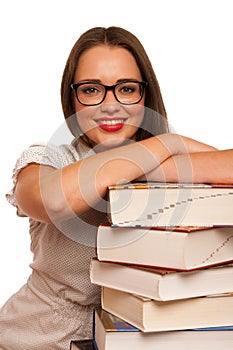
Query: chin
111	143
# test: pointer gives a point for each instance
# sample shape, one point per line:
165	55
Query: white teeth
111	121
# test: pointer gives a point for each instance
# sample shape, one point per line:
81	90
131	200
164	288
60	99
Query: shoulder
53	155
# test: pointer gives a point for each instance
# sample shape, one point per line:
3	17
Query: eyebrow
99	81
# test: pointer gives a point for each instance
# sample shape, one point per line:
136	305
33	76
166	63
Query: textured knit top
55	305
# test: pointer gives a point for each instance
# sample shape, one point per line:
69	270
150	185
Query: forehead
110	61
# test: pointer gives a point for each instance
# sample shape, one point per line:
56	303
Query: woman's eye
90	90
127	89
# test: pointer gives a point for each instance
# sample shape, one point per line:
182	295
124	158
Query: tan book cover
162	284
180	249
156	316
170	204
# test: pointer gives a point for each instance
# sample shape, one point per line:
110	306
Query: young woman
113	106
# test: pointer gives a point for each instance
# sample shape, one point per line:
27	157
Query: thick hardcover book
156	316
113	333
164	204
162	284
179	249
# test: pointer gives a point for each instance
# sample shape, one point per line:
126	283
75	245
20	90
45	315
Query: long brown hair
155	119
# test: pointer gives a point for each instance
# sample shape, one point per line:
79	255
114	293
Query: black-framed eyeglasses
126	92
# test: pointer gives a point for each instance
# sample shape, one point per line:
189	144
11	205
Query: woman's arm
199	167
48	194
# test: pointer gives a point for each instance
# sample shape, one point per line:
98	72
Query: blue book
222	328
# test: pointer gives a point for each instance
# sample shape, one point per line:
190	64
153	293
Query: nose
110	104
110	97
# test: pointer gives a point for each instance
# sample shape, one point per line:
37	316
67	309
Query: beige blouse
56	304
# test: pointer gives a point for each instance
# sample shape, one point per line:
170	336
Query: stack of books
164	263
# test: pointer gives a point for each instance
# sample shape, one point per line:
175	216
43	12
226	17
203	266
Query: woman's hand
177	144
192	161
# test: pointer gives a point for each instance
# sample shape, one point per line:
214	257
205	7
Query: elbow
42	205
55	206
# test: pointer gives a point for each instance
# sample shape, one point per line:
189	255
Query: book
85	344
169	204
113	333
157	316
162	284
180	248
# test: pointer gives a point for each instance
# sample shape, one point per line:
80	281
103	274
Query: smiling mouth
111	125
110	121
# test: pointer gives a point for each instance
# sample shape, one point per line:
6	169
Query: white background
190	46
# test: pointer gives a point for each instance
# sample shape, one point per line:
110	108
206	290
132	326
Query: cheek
137	114
84	117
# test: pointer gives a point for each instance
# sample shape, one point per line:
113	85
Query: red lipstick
111	125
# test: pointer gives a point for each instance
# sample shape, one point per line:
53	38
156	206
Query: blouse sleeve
55	156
